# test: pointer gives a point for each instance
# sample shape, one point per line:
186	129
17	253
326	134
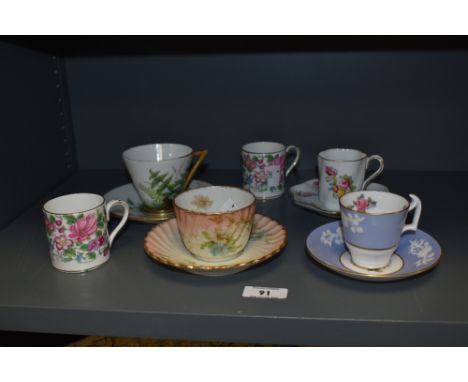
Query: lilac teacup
373	222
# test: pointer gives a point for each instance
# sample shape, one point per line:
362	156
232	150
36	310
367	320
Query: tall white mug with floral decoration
264	169
76	226
342	171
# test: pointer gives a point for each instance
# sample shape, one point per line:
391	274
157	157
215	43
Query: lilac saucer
417	253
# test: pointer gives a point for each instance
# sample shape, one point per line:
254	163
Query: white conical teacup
160	171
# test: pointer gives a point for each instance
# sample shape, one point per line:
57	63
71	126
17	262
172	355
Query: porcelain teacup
215	222
342	171
76	227
373	222
160	171
264	170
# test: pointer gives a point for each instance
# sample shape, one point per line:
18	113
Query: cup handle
371	177
201	154
296	158
122	222
415	204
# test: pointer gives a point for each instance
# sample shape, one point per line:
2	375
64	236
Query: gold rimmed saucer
138	211
417	252
164	245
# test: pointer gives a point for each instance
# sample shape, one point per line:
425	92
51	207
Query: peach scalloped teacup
215	222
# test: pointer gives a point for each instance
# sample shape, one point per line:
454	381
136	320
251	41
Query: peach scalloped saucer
164	245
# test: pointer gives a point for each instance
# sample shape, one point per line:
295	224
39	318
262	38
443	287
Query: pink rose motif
361	204
58	223
61	242
330	171
278	161
249	163
83	228
61	230
101	241
344	184
93	244
260	176
316	183
50	226
262	166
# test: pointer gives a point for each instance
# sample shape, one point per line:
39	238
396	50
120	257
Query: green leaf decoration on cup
162	188
70	219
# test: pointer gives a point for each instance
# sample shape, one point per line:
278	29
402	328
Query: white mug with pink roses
342	171
76	227
264	169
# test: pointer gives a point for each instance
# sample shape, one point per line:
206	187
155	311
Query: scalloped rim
211	267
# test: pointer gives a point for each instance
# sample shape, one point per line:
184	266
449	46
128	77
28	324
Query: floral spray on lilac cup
264	169
76	227
342	171
372	223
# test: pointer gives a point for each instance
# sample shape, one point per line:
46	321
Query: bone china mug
373	222
264	169
342	171
76	227
160	171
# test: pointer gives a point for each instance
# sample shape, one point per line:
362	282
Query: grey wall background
35	147
410	107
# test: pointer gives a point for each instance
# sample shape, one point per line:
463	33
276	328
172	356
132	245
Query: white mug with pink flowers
264	169
76	226
342	171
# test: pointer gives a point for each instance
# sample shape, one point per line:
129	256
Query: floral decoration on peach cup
215	222
342	171
76	228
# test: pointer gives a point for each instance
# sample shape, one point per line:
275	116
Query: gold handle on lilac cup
201	154
415	205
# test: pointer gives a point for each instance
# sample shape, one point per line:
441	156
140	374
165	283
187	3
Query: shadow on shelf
148	342
58	340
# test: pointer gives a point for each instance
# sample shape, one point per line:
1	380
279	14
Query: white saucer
164	245
129	194
306	195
